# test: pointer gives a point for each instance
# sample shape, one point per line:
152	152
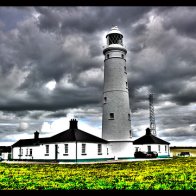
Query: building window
149	148
27	152
21	151
99	149
159	148
107	151
47	149
136	149
105	100
83	149
108	56
111	116
30	152
122	55
165	148
66	148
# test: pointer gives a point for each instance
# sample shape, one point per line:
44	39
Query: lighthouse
116	116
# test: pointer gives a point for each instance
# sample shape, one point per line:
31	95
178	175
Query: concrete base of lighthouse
121	149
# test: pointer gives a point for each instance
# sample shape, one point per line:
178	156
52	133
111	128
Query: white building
75	145
72	145
149	143
116	117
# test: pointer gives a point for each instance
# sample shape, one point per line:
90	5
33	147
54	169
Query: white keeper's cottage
72	145
75	145
149	143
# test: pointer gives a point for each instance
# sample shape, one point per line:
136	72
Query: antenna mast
152	116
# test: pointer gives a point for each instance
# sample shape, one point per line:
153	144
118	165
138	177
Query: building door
149	148
56	152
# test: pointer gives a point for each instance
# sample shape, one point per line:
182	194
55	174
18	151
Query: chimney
73	124
36	135
148	131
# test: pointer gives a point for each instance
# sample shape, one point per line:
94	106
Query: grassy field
169	174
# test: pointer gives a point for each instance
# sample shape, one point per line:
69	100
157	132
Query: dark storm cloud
60	98
163	60
36	115
64	44
57	114
19	114
87	19
181	19
10	16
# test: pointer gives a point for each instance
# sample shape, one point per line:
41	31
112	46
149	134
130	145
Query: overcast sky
52	63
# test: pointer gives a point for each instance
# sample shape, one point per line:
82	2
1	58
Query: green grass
168	174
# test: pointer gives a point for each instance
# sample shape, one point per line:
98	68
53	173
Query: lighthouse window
122	55
111	115
125	69
130	132
105	99
115	39
129	117
126	85
108	56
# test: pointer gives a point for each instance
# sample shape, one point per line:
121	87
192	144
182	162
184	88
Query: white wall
39	152
92	151
5	155
122	149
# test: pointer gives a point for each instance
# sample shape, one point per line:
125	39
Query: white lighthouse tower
116	118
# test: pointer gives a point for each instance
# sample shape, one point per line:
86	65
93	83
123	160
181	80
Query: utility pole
152	116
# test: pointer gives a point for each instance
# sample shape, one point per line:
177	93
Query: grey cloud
86	19
57	114
182	19
11	16
67	41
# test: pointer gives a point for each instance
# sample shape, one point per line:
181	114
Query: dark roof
149	139
70	135
31	142
5	149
